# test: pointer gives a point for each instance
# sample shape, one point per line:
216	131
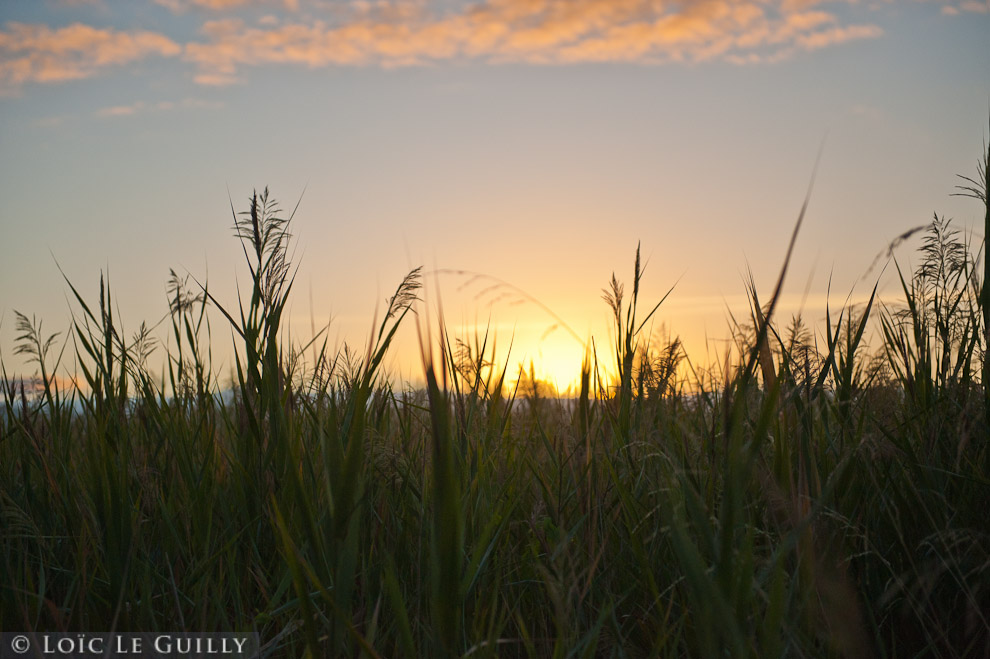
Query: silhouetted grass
804	501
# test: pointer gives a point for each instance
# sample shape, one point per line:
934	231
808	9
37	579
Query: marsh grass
797	501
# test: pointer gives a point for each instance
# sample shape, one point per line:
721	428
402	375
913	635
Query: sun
555	361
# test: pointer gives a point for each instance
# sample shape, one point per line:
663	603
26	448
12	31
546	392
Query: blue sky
529	140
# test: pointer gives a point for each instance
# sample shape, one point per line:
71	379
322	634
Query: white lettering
124	648
81	644
163	644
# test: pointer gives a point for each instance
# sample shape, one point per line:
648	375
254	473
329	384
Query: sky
532	142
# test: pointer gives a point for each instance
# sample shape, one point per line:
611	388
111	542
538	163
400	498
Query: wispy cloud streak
140	107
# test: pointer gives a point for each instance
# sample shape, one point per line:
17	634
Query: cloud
121	110
838	35
972	6
957	7
179	6
396	33
77	3
161	106
34	387
404	33
31	53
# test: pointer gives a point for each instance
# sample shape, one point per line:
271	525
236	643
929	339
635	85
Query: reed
804	501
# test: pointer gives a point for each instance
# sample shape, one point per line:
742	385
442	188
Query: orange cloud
392	33
38	53
974	6
406	33
180	6
956	7
34	387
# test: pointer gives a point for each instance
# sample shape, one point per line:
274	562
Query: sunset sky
532	141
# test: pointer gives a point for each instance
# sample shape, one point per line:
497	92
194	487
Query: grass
795	502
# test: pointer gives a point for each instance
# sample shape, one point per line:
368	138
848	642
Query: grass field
805	498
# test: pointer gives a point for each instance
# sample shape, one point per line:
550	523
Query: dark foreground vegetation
809	498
